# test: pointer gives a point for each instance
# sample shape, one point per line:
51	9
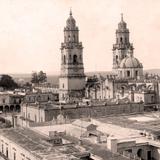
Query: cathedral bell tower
72	77
122	45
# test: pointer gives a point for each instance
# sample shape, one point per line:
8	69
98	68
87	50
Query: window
75	59
122	89
129	150
63	95
120	73
128	73
121	40
39	98
136	73
70	57
69	38
117	59
3	100
7	152
63	85
152	99
64	59
2	149
14	156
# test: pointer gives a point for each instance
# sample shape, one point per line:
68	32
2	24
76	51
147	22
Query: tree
7	82
42	77
34	78
39	77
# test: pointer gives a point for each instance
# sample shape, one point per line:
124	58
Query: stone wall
93	111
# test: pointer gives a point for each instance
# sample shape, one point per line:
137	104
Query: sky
31	32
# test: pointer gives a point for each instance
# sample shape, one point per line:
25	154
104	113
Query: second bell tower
122	45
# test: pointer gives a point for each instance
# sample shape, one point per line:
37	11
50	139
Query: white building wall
33	113
21	153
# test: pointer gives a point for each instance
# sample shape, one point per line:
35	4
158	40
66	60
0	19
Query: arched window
75	59
139	153
136	73
117	59
122	89
7	152
70	58
69	38
64	59
128	73
121	40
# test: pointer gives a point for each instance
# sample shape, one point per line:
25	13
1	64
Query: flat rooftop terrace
38	145
149	121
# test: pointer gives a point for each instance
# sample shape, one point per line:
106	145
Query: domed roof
130	62
122	25
71	23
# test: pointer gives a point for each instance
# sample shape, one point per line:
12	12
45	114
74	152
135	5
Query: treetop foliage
39	77
7	82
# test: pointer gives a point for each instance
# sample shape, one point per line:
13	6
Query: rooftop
73	134
38	144
149	121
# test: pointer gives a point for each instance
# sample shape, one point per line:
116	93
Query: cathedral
126	81
72	78
125	65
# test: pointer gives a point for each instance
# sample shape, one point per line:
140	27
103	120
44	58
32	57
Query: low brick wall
94	111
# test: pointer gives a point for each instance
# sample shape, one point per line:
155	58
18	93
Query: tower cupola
71	23
122	25
71	34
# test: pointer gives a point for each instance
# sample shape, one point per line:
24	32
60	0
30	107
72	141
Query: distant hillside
153	71
53	79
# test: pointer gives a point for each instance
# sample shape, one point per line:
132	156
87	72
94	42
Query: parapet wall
94	111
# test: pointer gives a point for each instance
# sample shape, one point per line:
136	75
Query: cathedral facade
72	78
125	65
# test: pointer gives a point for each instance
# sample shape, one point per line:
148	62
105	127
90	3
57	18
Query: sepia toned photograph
79	80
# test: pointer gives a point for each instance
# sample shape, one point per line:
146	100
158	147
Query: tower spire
70	13
121	17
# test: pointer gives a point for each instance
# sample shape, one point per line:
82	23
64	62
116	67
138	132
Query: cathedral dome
130	62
